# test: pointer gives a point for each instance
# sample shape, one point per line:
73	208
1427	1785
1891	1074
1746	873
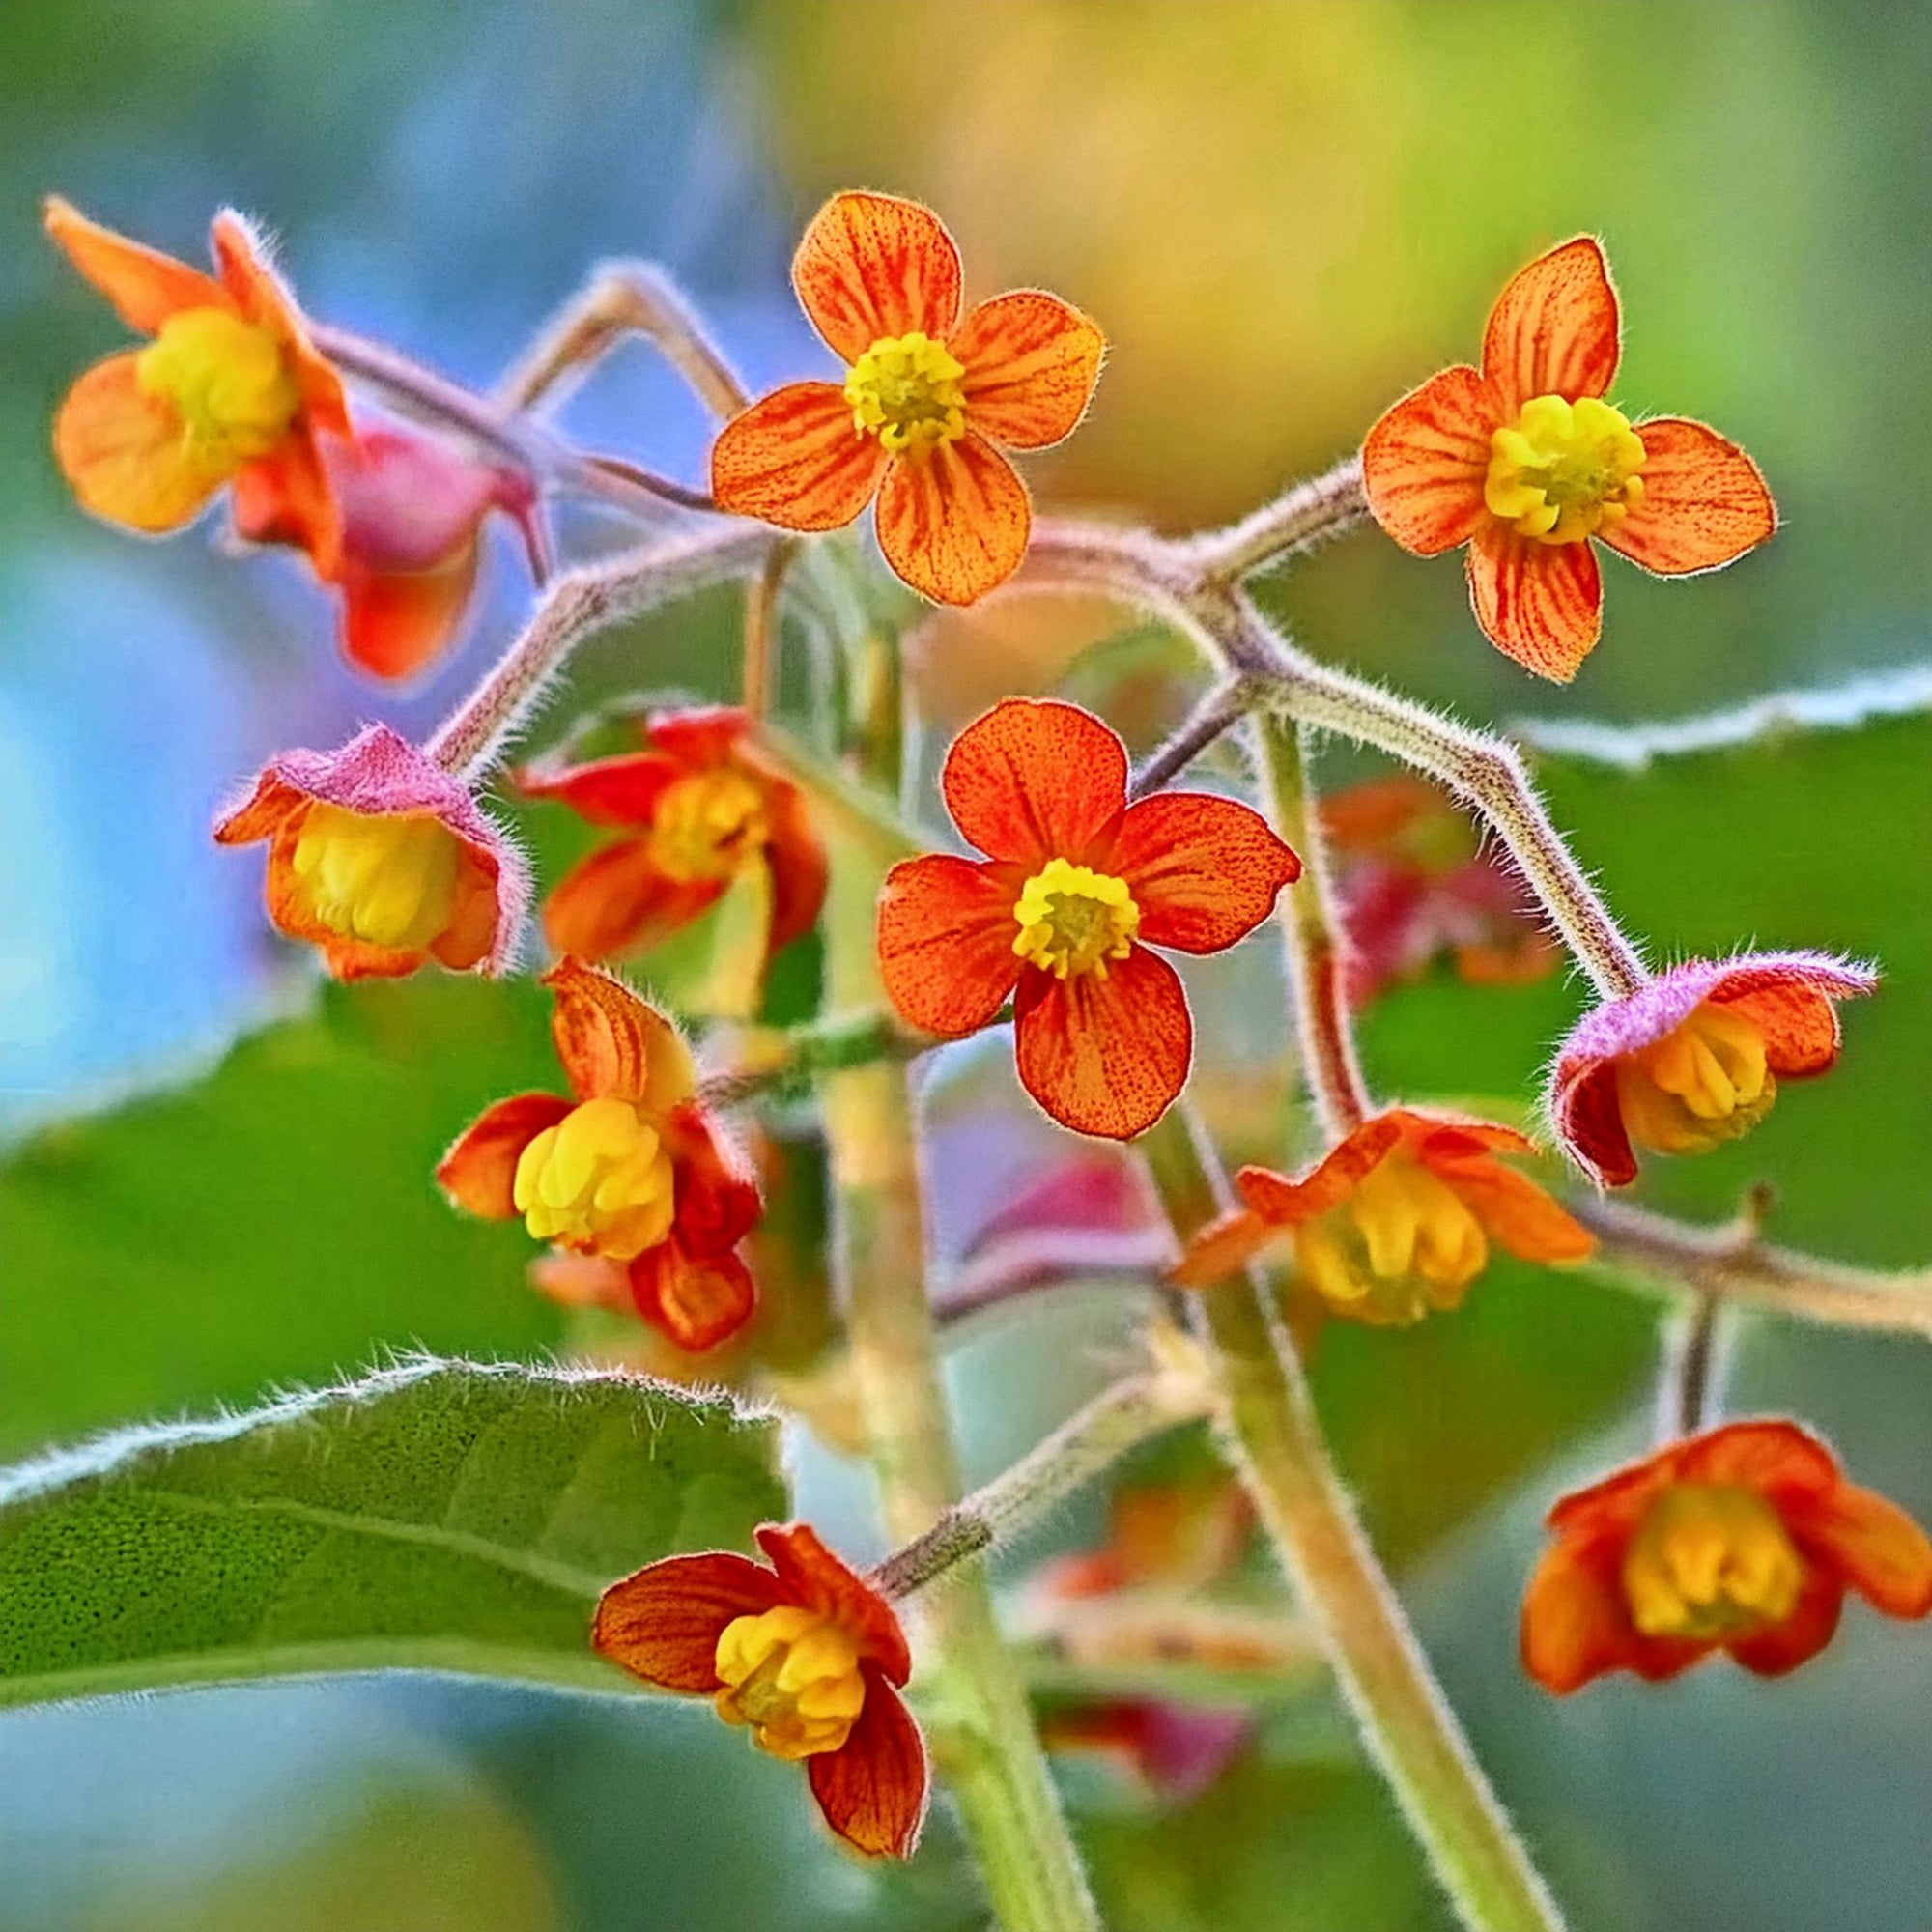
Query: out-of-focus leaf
440	1514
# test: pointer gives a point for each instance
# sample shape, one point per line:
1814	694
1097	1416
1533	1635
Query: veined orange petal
794	459
697	1301
1424	461
289	491
1873	1544
124	453
1205	871
1555	330
1035	779
611	1043
873	1789
143	286
813	1576
953	521
945	942
1519	1215
1705	502
478	1171
1031	361
395	622
619	901
1541	604
663	1624
875	264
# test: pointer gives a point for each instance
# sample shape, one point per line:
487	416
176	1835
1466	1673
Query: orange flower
1744	1539
700	806
805	1653
229	390
630	1168
1525	462
1076	885
926	405
1396	1221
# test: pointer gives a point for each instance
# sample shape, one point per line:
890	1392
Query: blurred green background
1284	215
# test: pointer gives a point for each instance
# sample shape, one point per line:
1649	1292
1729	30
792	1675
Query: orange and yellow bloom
928	404
1744	1539
1525	462
1076	886
630	1168
805	1653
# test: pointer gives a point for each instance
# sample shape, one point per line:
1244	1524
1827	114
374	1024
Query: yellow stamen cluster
1073	920
600	1182
387	878
707	825
228	381
1703	1083
1711	1560
1402	1244
908	390
1564	471
793	1677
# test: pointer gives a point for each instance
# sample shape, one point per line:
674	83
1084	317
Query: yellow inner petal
599	1182
387	878
909	391
1563	471
1704	1082
1073	920
1711	1560
793	1676
707	825
1403	1243
228	381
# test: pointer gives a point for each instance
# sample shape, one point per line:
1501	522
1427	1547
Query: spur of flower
1525	462
804	1654
230	391
1694	1057
1077	885
1393	1223
928	404
1744	1539
629	1168
382	859
696	807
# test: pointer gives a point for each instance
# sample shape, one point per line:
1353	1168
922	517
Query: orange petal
812	1575
1541	604
1575	1625
395	622
1705	502
1205	871
1782	1462
872	265
793	459
143	285
663	1624
796	856
1035	780
471	934
241	257
1872	1545
621	790
478	1173
1031	361
1283	1203
1105	1056
953	521
1802	1636
873	1789
126	454
1223	1247
289	491
610	1042
619	901
945	942
1555	331
718	1200
695	1301
1424	461
1519	1215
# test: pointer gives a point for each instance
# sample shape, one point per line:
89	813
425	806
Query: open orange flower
630	1168
927	403
1076	885
230	389
699	806
1744	1539
1525	462
805	1653
1395	1221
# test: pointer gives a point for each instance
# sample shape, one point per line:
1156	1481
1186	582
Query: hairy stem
1218	712
1299	520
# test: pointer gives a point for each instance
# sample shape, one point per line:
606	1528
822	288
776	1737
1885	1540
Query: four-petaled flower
382	859
1744	1539
630	1168
926	405
1525	462
1395	1221
230	391
698	807
805	1653
1076	885
1692	1057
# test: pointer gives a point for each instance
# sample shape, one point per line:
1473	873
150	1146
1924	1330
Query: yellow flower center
387	878
793	1676
1073	920
1563	471
599	1182
707	825
1402	1244
1703	1083
229	380
908	391
1711	1560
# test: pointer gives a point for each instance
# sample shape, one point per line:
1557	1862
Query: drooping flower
928	404
230	391
1744	1539
698	808
1076	887
805	1653
382	859
1525	462
630	1168
1393	1223
1694	1057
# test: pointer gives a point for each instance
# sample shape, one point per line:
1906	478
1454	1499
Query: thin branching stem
1301	519
1220	709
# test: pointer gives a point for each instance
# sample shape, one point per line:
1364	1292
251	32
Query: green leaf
438	1516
